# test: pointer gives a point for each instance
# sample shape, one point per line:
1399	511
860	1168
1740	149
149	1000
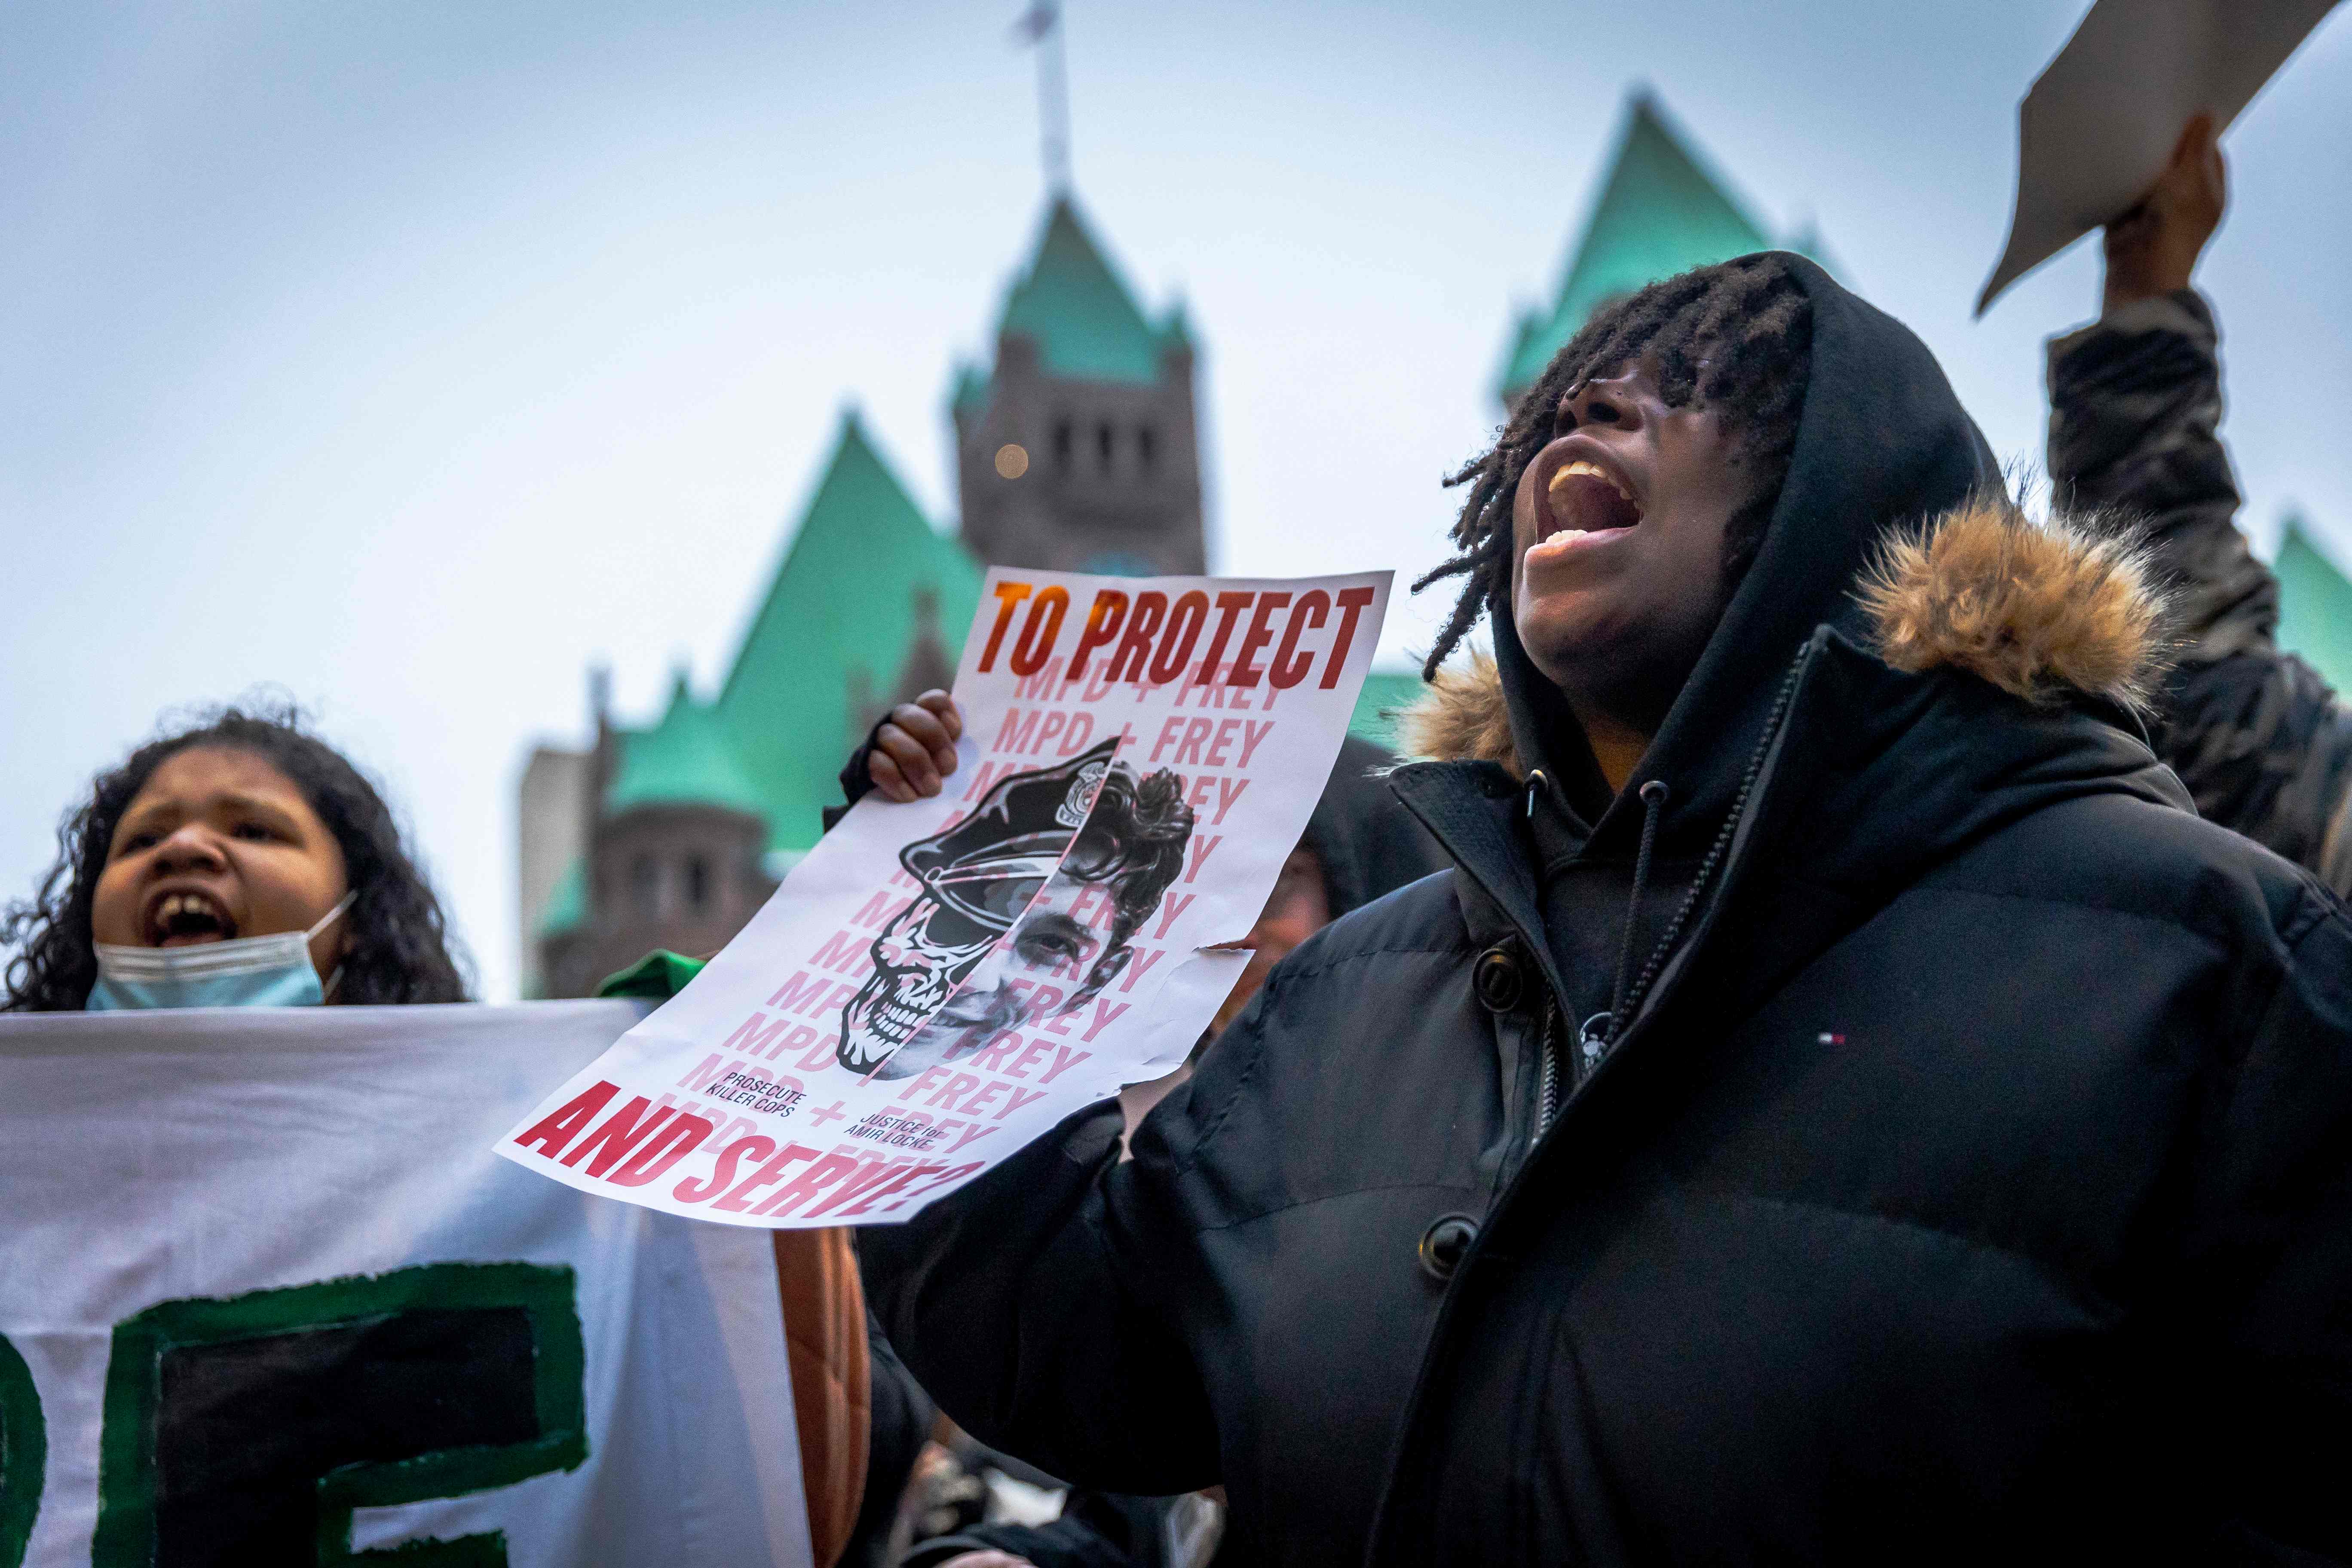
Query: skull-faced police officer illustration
995	873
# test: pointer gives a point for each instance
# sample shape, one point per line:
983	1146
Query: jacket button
1497	979
1446	1243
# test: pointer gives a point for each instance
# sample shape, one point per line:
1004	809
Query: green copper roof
1073	304
2315	606
842	604
1176	328
1660	212
1386	693
970	392
1078	311
567	905
686	757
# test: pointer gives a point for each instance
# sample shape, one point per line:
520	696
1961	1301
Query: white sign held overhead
2100	123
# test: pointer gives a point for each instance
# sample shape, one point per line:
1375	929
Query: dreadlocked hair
1736	336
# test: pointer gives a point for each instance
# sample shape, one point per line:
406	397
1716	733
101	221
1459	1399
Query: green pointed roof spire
2314	605
841	608
1660	210
567	905
971	391
1075	306
686	758
1176	326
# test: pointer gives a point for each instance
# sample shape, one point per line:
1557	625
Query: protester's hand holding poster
941	981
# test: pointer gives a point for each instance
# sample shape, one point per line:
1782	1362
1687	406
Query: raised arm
2135	416
2135	412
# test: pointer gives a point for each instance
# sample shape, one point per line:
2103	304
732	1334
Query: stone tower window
1099	392
697	883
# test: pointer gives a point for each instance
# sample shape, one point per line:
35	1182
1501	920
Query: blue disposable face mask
272	971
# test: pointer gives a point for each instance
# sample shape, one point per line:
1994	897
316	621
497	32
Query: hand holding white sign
2102	122
2152	249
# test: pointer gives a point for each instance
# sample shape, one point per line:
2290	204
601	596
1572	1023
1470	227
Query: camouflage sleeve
2257	736
2135	418
2266	748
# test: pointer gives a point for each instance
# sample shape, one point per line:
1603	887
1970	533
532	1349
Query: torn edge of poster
940	982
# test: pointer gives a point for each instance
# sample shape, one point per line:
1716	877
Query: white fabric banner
939	982
267	1296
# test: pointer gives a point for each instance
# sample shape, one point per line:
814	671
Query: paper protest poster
2100	123
937	983
269	1298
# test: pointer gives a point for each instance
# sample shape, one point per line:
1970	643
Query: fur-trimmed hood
2044	611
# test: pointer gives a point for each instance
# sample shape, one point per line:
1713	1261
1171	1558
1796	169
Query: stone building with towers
1078	450
1077	447
672	835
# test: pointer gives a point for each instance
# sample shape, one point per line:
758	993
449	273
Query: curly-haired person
239	862
1841	1105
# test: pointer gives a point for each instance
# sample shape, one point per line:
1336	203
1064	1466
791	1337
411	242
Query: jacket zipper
1547	1110
1547	1073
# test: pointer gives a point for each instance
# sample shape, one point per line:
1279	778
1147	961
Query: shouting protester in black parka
1842	1105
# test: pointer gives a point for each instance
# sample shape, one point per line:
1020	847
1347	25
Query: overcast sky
411	357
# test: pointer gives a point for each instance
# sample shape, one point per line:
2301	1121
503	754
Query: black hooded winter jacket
1973	1180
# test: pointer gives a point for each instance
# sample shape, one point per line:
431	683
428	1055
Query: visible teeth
894	1021
1593	471
175	905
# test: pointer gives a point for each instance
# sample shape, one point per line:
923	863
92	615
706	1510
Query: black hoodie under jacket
1968	1177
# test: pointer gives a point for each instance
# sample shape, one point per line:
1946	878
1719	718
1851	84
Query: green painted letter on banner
246	1429
24	1454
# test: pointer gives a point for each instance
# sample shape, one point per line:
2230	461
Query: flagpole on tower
1041	27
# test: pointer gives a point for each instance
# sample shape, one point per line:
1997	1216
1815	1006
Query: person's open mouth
184	917
1585	504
